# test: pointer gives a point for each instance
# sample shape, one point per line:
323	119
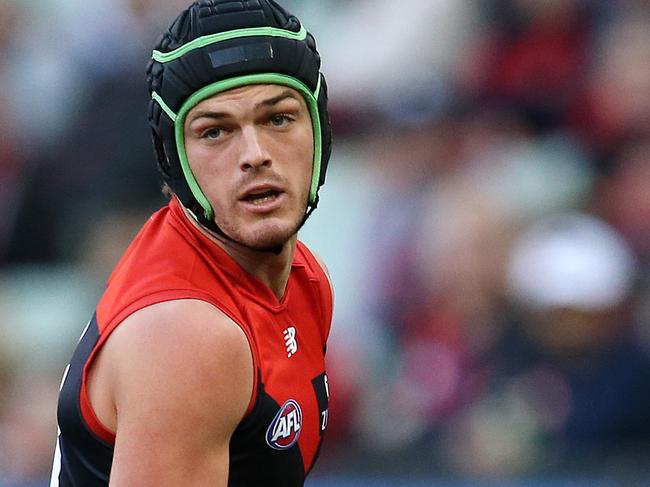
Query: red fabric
171	259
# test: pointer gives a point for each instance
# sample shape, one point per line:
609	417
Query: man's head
219	50
252	150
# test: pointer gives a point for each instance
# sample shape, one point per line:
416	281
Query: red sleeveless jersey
278	440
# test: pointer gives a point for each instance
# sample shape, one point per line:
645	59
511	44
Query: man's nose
253	153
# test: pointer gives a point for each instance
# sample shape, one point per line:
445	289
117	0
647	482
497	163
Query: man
204	362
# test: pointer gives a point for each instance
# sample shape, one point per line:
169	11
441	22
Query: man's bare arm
179	376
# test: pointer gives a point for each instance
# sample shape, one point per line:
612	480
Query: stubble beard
270	238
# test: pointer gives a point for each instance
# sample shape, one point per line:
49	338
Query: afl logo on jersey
284	430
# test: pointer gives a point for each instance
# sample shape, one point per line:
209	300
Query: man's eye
280	120
212	134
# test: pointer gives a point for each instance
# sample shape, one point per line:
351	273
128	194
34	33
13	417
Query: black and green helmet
218	45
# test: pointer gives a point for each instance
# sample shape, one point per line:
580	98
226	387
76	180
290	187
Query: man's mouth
261	198
261	195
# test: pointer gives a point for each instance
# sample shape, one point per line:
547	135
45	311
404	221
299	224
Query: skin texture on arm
173	381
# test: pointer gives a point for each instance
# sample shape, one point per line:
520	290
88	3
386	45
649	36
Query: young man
204	362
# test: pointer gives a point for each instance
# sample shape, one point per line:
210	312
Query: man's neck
271	268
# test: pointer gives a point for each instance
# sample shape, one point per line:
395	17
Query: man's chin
269	243
276	250
270	238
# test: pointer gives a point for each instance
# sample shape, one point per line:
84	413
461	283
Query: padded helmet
218	45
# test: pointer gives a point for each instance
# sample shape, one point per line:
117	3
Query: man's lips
262	197
260	192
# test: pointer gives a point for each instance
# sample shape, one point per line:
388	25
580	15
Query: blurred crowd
486	222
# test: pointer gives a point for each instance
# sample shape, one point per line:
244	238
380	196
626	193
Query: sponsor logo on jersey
290	341
284	430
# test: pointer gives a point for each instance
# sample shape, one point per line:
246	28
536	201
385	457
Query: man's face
251	151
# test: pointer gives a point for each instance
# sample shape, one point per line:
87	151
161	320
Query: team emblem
284	430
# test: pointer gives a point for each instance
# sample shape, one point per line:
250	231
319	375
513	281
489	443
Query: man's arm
179	376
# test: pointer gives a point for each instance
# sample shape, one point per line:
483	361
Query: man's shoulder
178	323
181	371
185	344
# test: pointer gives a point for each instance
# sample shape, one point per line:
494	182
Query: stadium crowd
486	222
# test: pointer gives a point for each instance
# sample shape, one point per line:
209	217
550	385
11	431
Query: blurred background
486	221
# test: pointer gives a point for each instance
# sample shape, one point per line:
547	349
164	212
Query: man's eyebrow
287	94
277	99
208	114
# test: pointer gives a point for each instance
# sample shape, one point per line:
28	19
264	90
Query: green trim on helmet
318	85
236	82
170	113
165	57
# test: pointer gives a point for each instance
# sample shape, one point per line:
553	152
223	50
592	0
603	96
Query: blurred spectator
571	382
532	58
615	104
11	158
27	429
104	162
623	197
379	51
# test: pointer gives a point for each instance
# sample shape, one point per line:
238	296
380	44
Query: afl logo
284	430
